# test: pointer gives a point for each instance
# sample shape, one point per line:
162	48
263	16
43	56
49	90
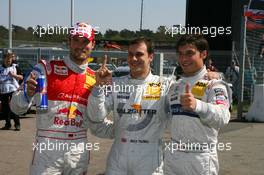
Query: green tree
127	34
3	32
2	43
109	34
146	33
98	36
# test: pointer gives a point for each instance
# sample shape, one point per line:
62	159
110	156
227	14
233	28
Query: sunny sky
114	14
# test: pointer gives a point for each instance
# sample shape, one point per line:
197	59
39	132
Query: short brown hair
147	41
197	40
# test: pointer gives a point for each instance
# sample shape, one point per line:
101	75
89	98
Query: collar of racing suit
140	81
199	75
75	67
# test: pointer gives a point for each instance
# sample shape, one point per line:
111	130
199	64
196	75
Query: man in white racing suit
199	108
61	138
138	103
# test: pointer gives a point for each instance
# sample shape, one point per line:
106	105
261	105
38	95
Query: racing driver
199	108
138	103
64	124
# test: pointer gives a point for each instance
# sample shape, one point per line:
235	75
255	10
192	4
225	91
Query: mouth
135	64
137	69
81	52
186	64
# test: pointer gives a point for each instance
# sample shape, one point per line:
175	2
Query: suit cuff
201	108
98	91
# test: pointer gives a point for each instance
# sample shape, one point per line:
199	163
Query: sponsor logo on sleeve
89	82
199	89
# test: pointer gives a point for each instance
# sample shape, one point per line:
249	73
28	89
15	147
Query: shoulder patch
90	72
89	81
199	89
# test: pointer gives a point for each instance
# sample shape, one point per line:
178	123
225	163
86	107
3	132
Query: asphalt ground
246	156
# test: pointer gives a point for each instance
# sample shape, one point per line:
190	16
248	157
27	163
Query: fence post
158	63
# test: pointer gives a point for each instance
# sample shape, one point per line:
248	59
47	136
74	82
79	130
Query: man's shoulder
215	85
90	71
162	79
122	79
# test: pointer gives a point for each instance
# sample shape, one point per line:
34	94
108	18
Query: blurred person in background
10	76
210	66
261	47
232	77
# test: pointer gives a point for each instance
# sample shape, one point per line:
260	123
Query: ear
151	57
93	44
204	54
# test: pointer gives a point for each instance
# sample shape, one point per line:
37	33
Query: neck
7	65
140	76
76	67
78	62
193	73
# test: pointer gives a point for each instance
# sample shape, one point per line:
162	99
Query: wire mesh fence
254	63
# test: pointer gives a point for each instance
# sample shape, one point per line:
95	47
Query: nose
133	58
182	57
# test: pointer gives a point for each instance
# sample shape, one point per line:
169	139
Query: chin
187	71
136	72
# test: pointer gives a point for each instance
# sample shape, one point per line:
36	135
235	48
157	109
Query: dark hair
147	41
197	40
8	55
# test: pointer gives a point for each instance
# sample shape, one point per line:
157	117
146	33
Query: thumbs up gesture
31	85
103	74
187	99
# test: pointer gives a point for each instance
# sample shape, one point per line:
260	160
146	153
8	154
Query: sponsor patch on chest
153	91
60	70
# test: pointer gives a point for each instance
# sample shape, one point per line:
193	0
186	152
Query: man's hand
31	85
187	100
18	77
103	75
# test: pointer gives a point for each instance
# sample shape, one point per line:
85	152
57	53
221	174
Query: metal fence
254	63
28	57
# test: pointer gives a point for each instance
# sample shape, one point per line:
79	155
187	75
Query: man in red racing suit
61	140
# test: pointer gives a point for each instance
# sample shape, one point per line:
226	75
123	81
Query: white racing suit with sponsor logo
61	145
140	117
192	150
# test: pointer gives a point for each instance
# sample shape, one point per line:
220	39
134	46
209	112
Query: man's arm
19	104
103	129
23	98
99	105
18	75
215	111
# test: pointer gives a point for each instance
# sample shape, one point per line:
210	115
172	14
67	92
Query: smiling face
80	49
191	59
139	60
